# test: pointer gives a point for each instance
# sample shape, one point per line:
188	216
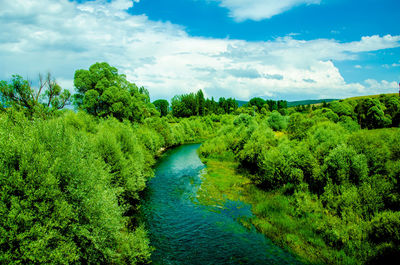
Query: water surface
184	232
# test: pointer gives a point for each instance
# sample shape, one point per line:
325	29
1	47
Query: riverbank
289	219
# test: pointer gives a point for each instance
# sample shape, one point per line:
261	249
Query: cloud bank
63	36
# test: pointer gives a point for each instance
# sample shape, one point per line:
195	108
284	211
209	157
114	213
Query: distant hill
370	96
295	103
241	102
309	101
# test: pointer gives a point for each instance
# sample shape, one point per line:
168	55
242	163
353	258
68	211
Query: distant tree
201	103
272	104
184	105
211	106
257	102
231	105
281	104
341	108
162	106
21	94
187	105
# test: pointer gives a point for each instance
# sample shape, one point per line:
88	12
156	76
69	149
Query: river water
184	232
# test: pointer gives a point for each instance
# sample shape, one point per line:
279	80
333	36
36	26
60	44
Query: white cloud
258	10
373	43
379	87
63	36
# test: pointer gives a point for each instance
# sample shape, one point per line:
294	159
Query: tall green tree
102	92
201	102
257	102
162	106
184	105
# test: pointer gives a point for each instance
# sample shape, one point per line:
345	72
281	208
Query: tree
281	104
184	105
393	109
201	102
341	108
162	106
371	115
276	121
344	165
272	104
257	102
102	92
20	93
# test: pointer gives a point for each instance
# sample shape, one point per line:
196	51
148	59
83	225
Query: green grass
370	96
276	215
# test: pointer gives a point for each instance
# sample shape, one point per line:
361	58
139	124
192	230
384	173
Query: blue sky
286	49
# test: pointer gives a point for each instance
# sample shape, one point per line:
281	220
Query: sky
286	49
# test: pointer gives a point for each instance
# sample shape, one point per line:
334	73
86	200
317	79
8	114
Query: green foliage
341	108
102	92
184	105
201	102
59	203
254	149
20	94
71	185
258	103
385	231
162	106
242	119
343	165
298	125
351	174
370	114
276	121
262	106
326	113
349	124
188	105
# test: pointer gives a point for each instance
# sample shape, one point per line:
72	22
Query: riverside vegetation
323	182
71	182
323	179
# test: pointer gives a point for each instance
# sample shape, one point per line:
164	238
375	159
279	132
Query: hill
370	96
294	103
308	102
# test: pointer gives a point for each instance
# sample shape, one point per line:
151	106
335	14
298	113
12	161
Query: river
185	232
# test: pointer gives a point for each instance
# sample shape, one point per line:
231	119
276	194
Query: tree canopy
162	106
102	92
21	94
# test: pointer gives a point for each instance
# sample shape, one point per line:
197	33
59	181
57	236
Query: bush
276	121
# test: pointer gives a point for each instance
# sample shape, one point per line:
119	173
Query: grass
371	96
216	188
291	221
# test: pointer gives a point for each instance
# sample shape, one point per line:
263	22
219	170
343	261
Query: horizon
289	50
